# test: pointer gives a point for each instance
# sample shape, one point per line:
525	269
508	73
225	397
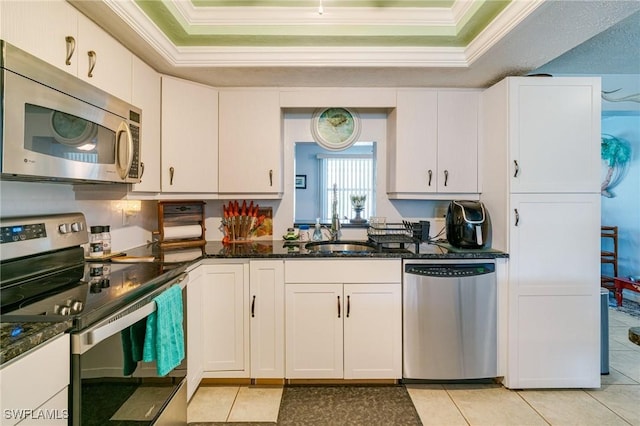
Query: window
351	175
353	172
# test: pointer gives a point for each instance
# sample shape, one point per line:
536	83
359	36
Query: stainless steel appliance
56	127
449	319
468	224
45	278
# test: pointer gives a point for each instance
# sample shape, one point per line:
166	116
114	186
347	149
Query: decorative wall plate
335	128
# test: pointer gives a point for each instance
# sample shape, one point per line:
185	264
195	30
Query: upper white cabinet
343	319
457	141
266	291
553	123
251	152
146	95
57	33
189	137
433	144
541	171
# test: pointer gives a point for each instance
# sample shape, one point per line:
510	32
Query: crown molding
397	57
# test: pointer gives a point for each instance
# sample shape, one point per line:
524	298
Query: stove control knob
64	228
77	227
76	306
62	310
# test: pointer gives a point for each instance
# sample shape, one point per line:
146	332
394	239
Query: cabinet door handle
171	171
71	48
446	177
271	177
141	169
338	306
93	58
348	305
253	306
430	173
517	216
516	168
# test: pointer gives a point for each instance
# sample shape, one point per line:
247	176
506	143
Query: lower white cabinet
554	291
343	319
195	366
225	323
31	383
266	291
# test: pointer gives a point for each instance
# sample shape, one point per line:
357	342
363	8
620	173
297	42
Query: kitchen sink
341	246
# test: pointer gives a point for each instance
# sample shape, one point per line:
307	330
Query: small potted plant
357	202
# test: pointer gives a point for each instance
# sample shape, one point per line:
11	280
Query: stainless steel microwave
56	127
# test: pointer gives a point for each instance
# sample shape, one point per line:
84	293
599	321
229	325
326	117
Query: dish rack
400	233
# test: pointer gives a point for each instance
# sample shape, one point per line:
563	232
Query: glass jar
95	242
106	239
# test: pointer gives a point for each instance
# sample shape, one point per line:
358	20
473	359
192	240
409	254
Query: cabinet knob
446	177
348	305
71	48
516	168
171	172
253	306
517	216
430	173
338	306
271	177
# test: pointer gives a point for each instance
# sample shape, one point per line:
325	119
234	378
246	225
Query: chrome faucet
335	220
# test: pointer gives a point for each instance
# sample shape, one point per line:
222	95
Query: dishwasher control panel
450	269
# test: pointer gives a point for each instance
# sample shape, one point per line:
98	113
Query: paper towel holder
185	214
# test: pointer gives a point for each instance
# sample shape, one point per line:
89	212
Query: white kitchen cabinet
553	123
195	335
552	233
457	141
554	291
343	319
57	33
433	144
29	383
189	137
225	323
251	150
146	95
266	290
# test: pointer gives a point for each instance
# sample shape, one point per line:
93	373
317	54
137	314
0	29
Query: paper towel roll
182	255
183	232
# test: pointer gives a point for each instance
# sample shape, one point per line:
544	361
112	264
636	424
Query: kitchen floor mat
144	404
347	405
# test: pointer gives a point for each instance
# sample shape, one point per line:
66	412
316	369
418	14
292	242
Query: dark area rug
628	306
347	405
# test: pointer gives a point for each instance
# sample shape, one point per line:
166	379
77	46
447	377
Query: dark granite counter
287	250
18	338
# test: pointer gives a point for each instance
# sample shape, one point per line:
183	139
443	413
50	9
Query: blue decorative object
616	153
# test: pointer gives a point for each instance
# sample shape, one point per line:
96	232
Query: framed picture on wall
301	181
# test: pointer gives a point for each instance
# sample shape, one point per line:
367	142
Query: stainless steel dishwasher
449	319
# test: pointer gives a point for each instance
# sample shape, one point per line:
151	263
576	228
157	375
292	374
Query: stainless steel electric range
45	278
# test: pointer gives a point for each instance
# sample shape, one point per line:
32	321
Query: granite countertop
17	338
286	249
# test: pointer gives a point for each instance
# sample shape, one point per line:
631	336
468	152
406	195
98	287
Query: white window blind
352	175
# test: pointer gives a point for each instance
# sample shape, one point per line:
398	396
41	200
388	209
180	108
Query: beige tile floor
617	402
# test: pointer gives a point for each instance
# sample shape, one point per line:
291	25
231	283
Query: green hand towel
132	345
164	339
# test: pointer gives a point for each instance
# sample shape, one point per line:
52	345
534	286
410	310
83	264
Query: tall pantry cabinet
540	166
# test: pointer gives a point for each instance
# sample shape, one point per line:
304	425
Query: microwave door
124	150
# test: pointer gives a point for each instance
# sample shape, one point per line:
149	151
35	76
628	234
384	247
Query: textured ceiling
369	43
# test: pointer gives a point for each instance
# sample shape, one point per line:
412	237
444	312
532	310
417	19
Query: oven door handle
117	322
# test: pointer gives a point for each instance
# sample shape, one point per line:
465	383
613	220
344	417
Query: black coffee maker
468	225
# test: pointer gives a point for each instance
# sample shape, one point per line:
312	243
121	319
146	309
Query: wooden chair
609	257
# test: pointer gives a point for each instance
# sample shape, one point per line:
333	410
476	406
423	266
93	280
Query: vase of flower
357	202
